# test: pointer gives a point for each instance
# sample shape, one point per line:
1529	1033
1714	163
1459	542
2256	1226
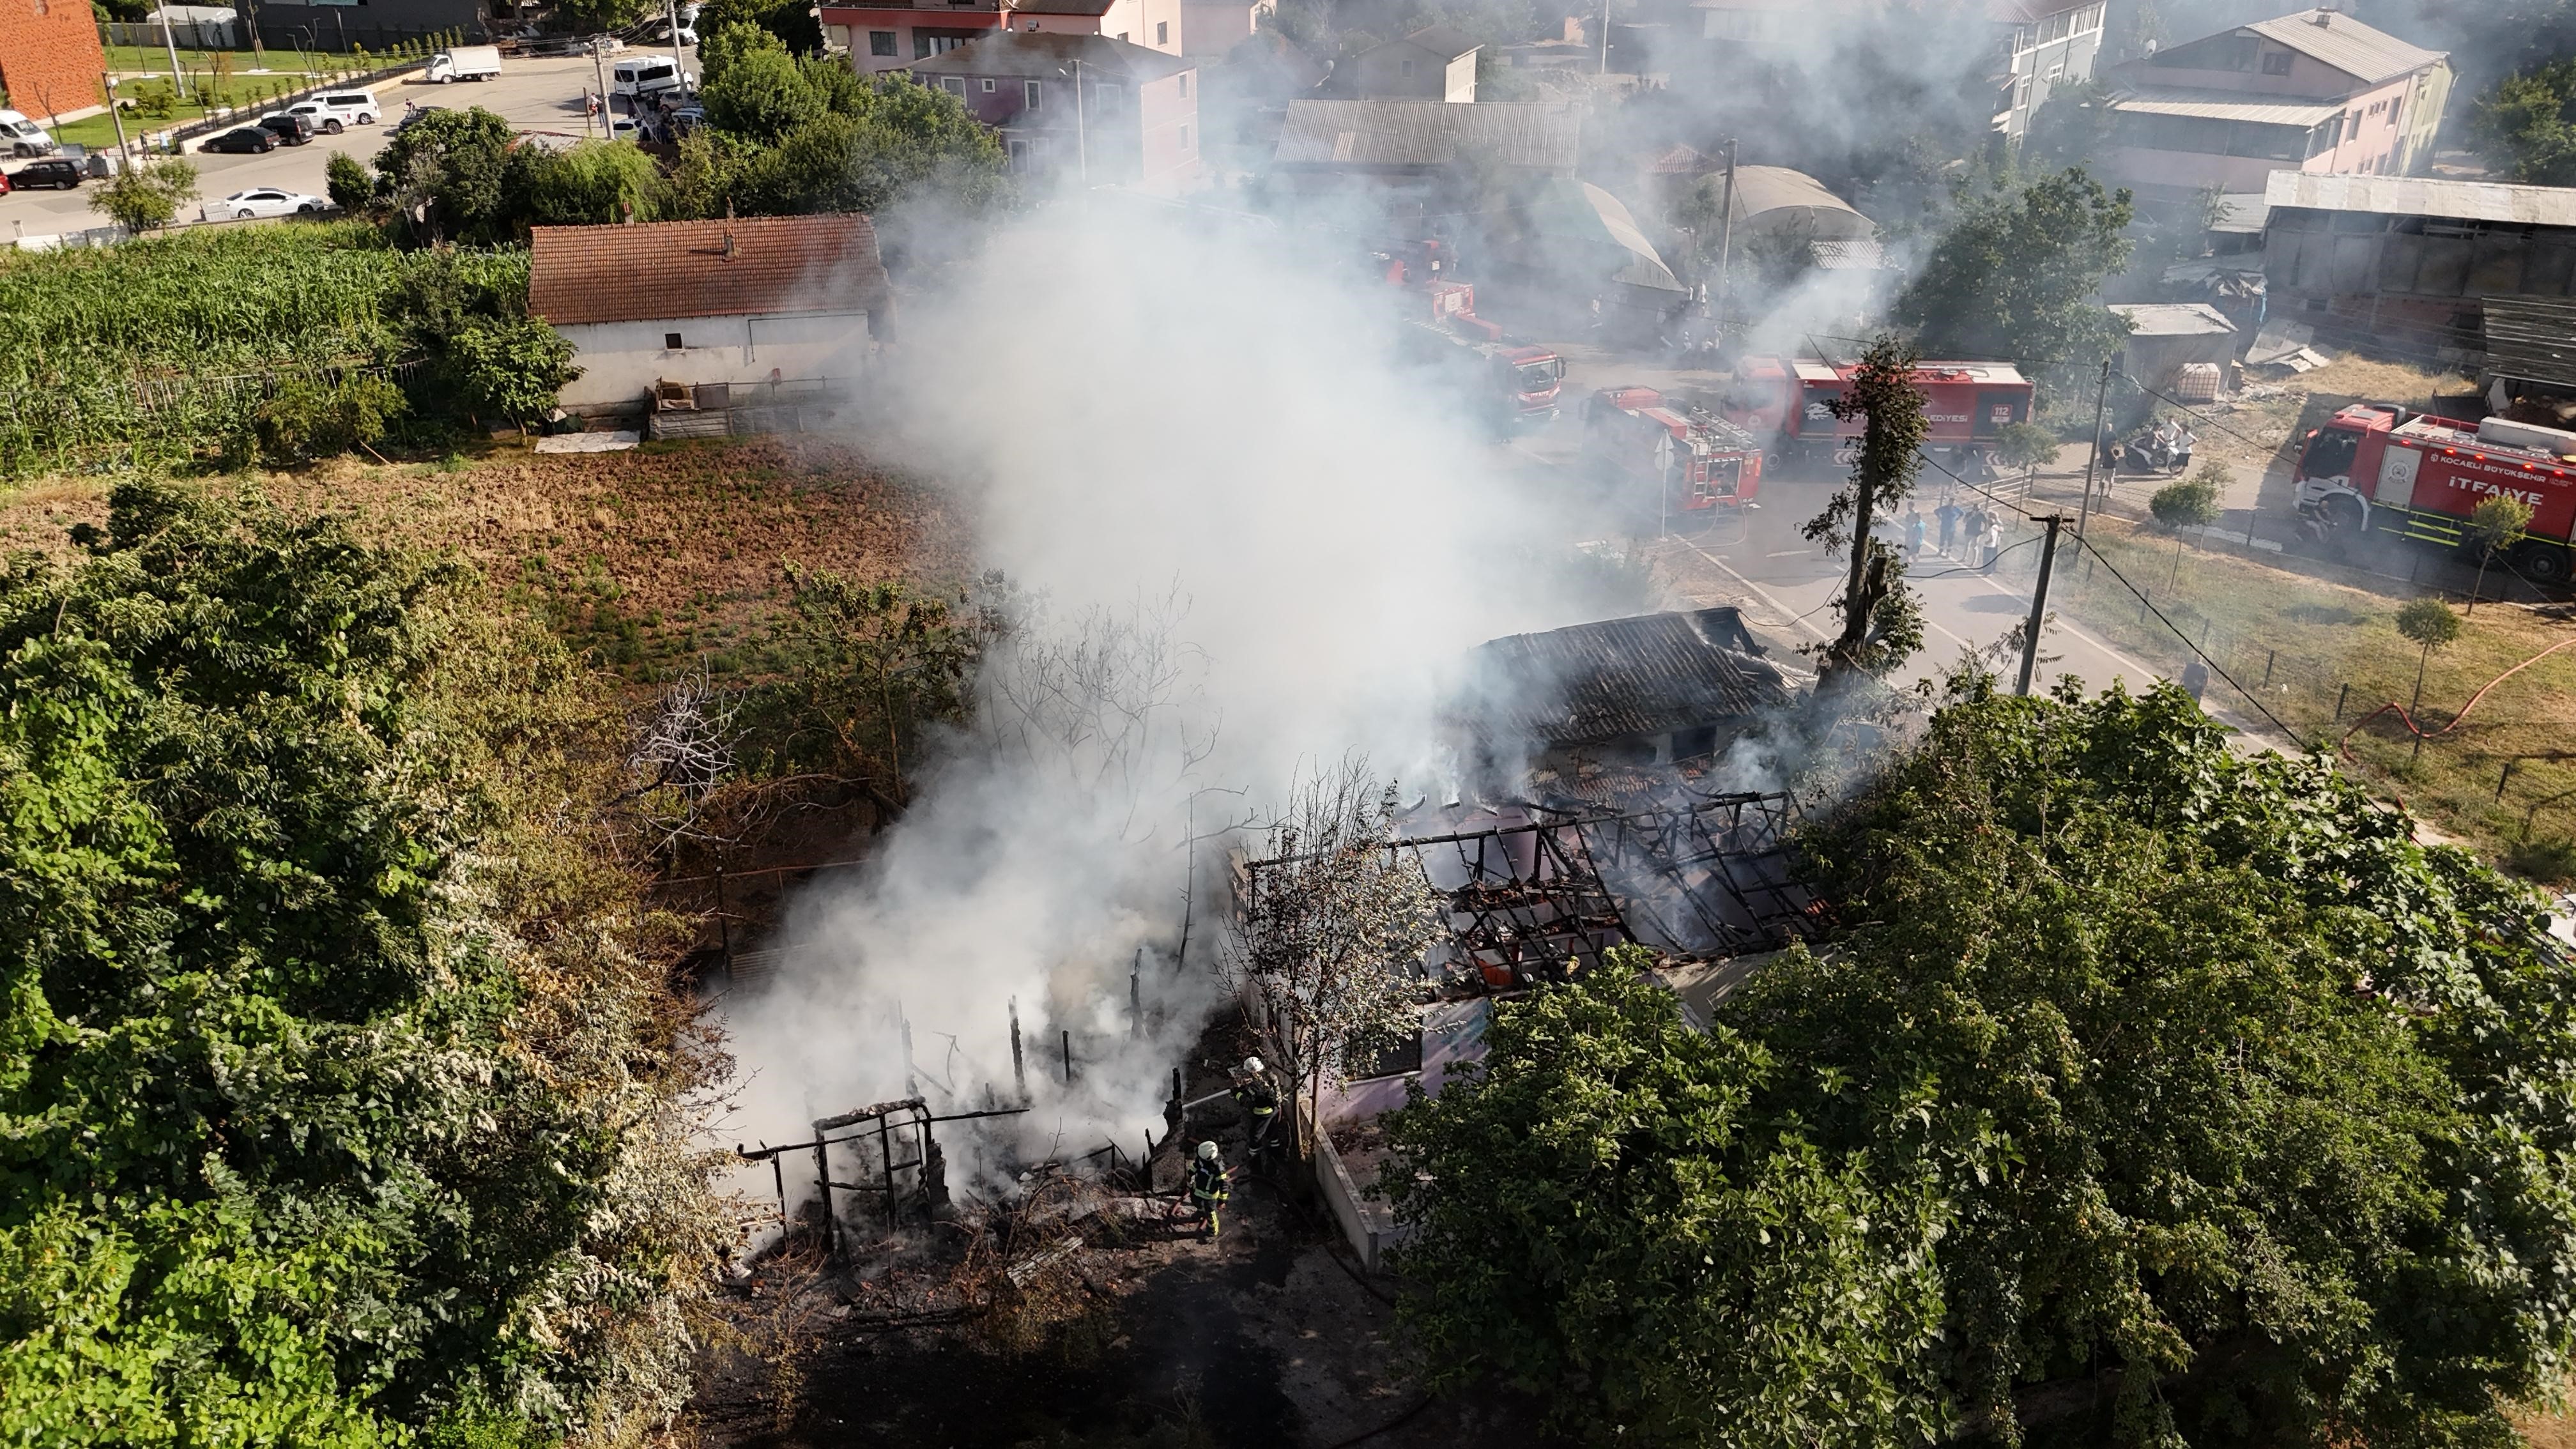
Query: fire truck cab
1705	467
2382	468
1787	403
1507	385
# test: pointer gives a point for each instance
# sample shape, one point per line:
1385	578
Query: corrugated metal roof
2347	45
2224	106
2532	338
753	266
2424	196
2174	319
1044	53
1535	135
1618	678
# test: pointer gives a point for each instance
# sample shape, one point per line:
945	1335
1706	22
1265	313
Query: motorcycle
2152	452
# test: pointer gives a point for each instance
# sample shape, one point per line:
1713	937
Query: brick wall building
49	56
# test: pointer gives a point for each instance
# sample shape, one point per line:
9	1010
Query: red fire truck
1504	383
1705	466
1783	402
2382	468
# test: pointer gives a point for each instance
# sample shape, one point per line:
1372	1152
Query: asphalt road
1786	585
532	95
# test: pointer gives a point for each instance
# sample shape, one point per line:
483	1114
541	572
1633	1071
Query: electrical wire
2215	667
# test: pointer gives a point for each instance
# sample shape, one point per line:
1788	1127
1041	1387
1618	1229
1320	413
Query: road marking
1765	595
1790	553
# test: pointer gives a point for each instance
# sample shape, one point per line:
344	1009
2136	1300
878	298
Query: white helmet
1252	1066
1207	1152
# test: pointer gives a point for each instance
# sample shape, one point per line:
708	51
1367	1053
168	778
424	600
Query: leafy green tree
724	41
345	178
1602	1214
291	1150
145	196
791	21
2184	1097
1882	620
510	368
2430	623
2025	446
910	139
2070	129
2189	503
2526	125
309	417
2495	526
593	17
2017	273
593	183
446	175
760	94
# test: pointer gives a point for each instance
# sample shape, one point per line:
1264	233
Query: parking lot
531	94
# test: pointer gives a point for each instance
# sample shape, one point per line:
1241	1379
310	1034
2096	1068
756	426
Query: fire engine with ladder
1507	383
1705	468
2379	468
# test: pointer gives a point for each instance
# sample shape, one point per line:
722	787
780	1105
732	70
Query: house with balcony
2317	92
2045	44
894	35
1091	109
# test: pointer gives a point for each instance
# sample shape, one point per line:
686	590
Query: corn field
163	348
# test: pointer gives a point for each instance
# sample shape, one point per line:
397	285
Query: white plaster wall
620	361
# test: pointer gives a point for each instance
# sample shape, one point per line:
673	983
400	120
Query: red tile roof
749	266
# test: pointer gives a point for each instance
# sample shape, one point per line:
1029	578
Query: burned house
1554	711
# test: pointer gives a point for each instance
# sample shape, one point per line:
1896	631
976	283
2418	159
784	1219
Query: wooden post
885	1167
2501	778
2340	696
1068	1058
823	1184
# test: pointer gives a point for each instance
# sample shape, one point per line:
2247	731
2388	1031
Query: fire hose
2411	728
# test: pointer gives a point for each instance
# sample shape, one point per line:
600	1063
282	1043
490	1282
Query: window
988	85
1185	85
880	42
2276	63
1106	100
1185	138
955	85
1019	155
1162	32
671	342
1030	95
1407	71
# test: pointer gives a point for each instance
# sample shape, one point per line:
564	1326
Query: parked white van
646	75
335	111
22	137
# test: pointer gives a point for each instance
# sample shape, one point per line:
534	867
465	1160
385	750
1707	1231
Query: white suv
335	111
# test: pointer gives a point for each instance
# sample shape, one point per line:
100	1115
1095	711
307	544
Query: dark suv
54	171
288	127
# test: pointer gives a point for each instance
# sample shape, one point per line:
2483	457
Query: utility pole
1081	127
679	62
1605	37
2038	605
178	82
1726	231
599	68
2093	447
119	121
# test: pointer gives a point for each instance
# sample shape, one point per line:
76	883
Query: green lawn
155	60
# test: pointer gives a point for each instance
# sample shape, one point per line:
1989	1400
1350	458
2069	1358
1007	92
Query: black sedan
249	138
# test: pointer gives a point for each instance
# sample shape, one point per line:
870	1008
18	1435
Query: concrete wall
1153	24
857	26
621	361
50	61
1210	28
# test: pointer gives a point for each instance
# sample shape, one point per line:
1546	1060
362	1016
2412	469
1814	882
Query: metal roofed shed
2531	341
2226	106
1774	200
2493	201
1417	136
2166	337
1644	690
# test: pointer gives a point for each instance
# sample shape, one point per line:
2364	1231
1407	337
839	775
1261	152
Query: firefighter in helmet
1260	1103
1207	1188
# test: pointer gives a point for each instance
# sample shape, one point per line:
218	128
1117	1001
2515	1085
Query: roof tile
742	267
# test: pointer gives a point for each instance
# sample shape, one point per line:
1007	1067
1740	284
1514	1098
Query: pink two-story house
2316	92
1089	109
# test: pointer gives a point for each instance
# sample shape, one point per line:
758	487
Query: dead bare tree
683	752
1334	925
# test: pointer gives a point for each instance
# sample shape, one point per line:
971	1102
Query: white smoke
1259	544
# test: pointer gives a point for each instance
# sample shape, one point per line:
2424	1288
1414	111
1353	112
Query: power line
2150	605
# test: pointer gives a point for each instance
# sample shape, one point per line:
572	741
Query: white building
738	311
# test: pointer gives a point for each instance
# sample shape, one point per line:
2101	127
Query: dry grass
652	560
2260	429
2322	643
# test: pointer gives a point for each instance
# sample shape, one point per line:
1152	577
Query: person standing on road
1913	533
1948	514
1994	540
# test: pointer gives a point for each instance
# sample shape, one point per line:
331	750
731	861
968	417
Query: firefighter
1207	1188
1260	1103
